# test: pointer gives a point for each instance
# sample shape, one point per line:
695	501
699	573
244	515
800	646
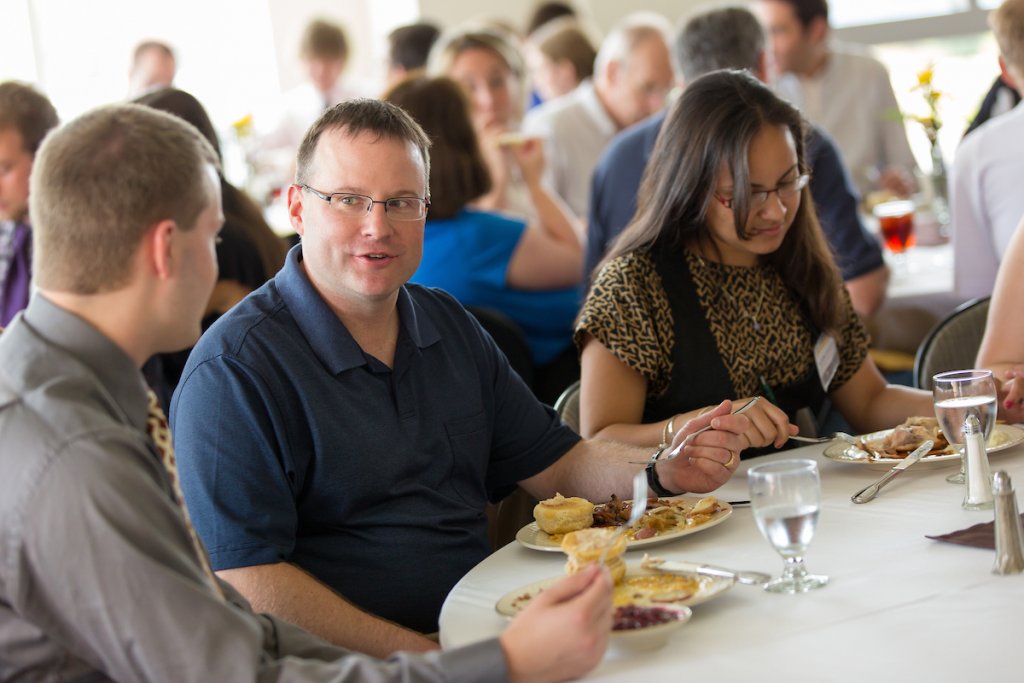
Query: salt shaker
979	481
1008	530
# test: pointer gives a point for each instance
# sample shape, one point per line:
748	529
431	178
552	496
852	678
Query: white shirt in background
852	99
576	129
986	201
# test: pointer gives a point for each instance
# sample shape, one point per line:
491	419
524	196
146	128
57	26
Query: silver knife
869	492
683	567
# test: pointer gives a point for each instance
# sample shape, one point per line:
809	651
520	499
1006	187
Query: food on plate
662	515
655	589
586	546
638	589
629	617
914	431
560	515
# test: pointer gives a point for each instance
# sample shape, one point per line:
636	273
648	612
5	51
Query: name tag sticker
826	357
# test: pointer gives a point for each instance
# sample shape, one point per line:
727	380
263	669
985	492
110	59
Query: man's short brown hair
323	40
100	182
1007	24
807	11
27	111
361	115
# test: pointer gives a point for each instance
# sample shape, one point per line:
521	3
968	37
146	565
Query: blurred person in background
488	63
529	271
408	49
560	56
248	251
844	90
153	67
26	116
632	77
546	12
986	202
999	99
324	51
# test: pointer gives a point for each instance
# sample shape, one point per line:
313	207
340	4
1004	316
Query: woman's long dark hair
239	209
712	124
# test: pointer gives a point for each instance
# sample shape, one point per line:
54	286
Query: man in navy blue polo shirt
732	38
340	432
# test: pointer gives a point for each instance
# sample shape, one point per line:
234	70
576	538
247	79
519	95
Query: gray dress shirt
98	577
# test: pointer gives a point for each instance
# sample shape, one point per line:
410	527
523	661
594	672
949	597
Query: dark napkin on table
977	536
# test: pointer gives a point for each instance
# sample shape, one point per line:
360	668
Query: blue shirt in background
468	257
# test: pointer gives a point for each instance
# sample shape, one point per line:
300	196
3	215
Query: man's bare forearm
290	593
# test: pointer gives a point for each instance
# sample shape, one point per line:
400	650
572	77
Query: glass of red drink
896	223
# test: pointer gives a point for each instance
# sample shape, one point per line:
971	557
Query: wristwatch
652	477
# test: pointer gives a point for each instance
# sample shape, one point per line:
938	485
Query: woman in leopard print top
723	286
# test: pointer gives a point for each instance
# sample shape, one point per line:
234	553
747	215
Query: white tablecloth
900	607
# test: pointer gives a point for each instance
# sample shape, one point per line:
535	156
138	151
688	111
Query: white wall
603	13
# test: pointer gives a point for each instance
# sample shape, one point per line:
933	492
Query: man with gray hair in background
632	77
732	38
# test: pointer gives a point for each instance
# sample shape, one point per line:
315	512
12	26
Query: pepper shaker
1008	530
979	481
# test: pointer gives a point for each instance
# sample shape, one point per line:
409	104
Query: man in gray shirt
101	577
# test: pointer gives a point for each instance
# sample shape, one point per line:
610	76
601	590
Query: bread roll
560	515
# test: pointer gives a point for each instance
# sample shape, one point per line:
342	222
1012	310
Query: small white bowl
651	637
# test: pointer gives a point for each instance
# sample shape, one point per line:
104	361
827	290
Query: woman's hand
529	156
1011	395
706	461
769	425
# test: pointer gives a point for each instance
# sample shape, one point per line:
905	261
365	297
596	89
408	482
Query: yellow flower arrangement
930	121
243	127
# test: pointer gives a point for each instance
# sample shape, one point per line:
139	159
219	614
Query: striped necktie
160	433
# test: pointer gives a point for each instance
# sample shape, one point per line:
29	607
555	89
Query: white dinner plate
708	588
532	537
1003	436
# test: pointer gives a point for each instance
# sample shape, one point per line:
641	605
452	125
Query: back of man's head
354	117
409	46
726	38
25	110
100	182
325	41
1008	27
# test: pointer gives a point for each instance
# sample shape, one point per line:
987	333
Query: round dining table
899	606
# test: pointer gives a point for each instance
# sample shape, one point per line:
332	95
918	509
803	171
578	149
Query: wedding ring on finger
732	460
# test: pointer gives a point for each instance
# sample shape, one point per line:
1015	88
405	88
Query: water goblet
786	497
960	393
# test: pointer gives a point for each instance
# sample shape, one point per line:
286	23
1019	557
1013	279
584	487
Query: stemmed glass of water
786	496
958	394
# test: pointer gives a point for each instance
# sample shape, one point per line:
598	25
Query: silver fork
834	436
639	508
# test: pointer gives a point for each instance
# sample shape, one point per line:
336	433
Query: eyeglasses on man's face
785	190
359	205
